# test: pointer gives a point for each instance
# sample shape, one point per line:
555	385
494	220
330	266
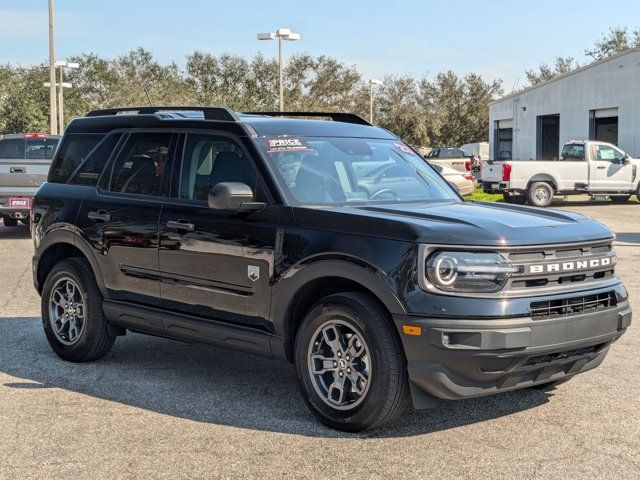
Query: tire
514	199
90	340
10	222
620	198
380	361
540	194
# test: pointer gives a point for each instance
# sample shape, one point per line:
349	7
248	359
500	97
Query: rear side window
140	165
73	150
572	153
90	169
12	148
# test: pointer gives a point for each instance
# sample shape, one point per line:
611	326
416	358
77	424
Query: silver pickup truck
591	167
24	164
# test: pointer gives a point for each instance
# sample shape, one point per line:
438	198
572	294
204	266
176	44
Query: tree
396	110
616	40
545	72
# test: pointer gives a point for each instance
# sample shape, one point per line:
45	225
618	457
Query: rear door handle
99	216
17	170
601	167
181	225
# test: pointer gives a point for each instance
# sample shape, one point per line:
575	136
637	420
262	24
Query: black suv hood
463	223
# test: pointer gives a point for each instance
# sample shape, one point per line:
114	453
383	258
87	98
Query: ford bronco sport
267	233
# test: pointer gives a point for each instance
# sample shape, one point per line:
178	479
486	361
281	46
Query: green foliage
447	110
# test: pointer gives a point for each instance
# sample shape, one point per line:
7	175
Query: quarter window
89	171
73	149
140	165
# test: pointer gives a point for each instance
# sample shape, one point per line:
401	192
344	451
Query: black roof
255	124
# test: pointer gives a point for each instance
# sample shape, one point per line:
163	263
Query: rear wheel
72	313
10	222
514	198
350	364
620	198
540	194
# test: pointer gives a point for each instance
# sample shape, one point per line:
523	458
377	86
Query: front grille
563	267
566	355
572	305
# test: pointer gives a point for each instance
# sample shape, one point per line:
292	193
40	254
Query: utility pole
53	127
372	82
62	64
281	34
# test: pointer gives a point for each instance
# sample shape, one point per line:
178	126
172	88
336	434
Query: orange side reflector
411	330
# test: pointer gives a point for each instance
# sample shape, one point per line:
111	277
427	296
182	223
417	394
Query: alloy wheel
339	364
67	311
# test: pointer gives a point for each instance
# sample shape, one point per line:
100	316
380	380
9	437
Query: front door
120	218
215	264
609	169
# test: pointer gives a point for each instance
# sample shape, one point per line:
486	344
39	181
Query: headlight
468	271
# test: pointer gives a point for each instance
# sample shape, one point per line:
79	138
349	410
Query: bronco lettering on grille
571	266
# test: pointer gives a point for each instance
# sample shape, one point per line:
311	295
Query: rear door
119	218
609	170
215	264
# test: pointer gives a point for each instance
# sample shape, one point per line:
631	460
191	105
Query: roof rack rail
335	116
210	113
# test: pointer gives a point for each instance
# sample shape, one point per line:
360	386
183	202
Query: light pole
62	64
280	34
52	75
372	82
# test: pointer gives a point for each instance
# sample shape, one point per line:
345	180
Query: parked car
595	168
267	235
455	158
24	163
463	181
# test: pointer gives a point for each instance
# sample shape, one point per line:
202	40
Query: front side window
212	159
609	154
339	171
140	166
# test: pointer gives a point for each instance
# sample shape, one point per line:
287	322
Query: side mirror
233	196
627	158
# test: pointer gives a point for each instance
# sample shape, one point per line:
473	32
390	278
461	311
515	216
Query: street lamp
280	34
62	64
372	82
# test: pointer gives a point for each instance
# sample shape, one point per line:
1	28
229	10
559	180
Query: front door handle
181	225
99	216
601	167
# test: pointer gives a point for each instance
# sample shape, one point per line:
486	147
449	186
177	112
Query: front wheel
72	315
540	194
350	364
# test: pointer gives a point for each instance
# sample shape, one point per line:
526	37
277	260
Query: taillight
467	165
468	177
506	172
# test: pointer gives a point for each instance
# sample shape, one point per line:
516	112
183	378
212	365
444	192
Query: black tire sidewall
373	331
531	197
94	322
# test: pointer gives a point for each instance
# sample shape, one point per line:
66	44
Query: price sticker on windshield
286	145
404	148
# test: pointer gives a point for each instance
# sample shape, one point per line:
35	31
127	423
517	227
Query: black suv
278	235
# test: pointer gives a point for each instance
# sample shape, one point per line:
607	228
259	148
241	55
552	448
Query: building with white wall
600	101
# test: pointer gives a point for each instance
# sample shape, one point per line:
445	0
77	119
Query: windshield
339	171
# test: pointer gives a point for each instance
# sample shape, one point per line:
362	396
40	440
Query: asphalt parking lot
154	408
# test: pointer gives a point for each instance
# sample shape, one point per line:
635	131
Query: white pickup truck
591	167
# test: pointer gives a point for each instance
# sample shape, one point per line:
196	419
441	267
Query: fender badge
253	272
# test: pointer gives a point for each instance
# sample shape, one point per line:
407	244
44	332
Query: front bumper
463	358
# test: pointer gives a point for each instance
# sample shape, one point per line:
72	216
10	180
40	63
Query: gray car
24	163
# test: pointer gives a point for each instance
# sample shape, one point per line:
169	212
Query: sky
497	39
